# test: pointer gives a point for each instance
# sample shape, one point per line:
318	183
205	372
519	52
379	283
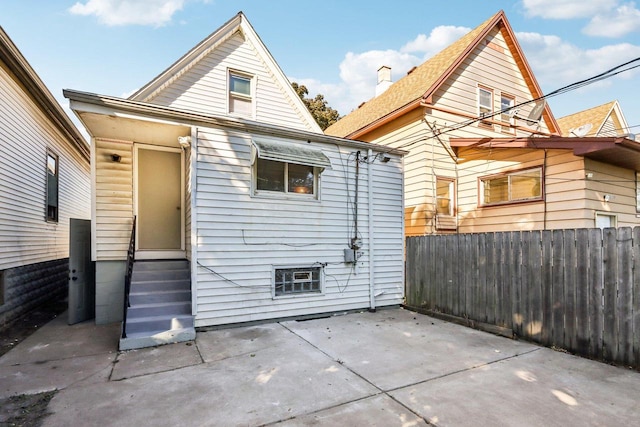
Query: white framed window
297	280
240	93
606	220
282	177
52	187
445	203
512	187
506	103
284	168
485	104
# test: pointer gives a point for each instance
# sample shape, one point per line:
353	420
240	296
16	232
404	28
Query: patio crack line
341	363
471	368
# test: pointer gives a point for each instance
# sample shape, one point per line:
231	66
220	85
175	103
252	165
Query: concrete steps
160	304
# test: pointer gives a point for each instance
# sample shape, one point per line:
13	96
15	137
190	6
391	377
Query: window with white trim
287	168
485	104
513	187
52	187
606	220
297	280
445	204
506	103
240	93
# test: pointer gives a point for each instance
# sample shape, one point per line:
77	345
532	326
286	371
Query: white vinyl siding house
205	85
243	237
280	220
44	182
469	83
28	140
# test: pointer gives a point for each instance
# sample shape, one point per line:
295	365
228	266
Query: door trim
159	254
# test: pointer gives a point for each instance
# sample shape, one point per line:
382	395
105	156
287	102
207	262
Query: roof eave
385	119
604	149
154	111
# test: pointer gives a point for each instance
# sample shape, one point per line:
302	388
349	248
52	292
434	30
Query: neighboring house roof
94	108
597	117
420	85
11	56
202	49
614	150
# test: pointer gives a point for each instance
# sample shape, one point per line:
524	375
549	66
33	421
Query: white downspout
194	221
372	284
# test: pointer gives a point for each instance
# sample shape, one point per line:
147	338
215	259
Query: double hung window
240	94
506	103
485	105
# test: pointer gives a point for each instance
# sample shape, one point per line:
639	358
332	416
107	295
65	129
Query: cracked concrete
393	367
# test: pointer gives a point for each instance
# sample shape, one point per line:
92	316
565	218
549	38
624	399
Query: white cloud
617	23
566	9
129	12
607	18
358	71
556	63
439	38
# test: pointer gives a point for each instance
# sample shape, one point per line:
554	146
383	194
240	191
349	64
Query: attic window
485	105
240	94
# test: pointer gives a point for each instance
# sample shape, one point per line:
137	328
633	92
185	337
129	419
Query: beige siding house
44	181
603	120
245	211
471	118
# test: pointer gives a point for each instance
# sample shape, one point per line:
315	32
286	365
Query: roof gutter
386	119
194	119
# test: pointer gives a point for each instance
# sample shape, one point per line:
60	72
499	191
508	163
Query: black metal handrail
131	257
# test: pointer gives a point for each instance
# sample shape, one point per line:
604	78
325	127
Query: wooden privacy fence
577	290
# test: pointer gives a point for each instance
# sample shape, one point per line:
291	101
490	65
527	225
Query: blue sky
113	47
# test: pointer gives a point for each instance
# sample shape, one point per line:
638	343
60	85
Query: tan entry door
159	200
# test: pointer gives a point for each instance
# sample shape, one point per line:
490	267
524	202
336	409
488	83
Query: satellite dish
534	116
536	113
581	131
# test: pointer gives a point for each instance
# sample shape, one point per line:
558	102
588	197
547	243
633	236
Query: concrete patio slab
543	387
392	367
376	411
370	345
271	384
220	344
37	377
145	361
57	341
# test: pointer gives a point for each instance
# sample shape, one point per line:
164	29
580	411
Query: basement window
513	187
297	280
